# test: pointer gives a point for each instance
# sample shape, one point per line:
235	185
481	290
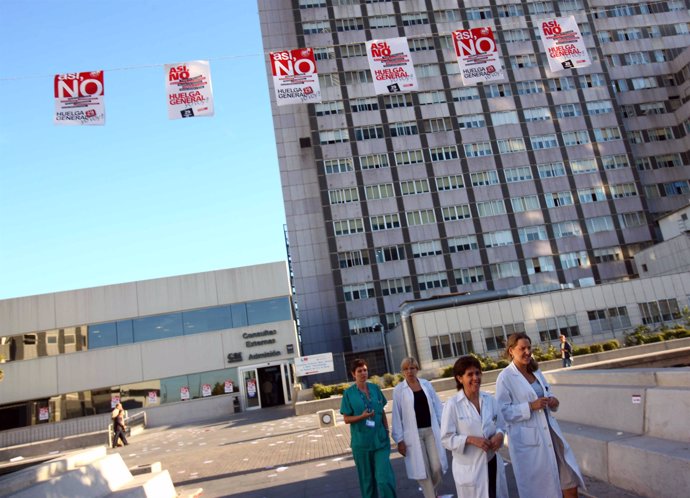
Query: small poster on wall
229	386
184	393
251	388
43	413
114	400
205	390
152	397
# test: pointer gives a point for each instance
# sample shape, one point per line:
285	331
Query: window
551	329
380	191
571	138
471	121
583	166
551	170
495	337
607	134
520	61
465	243
505	270
356	77
498	238
351	24
530	234
478	149
415	18
623	190
526	203
428	70
326	108
341	165
306	4
454	213
433	97
390	253
446	153
544	141
562	84
569	228
608	319
484	178
427	248
504	117
599	224
398	100
403	129
516	35
514	10
478	13
440	347
510	145
592	194
368	132
358	291
311	28
599	107
652	108
615	162
428	281
405	157
450	15
384	222
347	227
333	136
382	22
539	264
631	220
466	276
537	114
467	93
557	199
396	286
373	161
642	83
568	110
660	134
499	90
539	8
592	80
529	87
608	254
577	259
324	53
365	104
520	174
366	325
659	311
436	125
412	187
354	50
349	259
421	44
343	195
420	217
491	208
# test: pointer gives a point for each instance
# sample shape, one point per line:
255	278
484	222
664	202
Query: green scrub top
353	403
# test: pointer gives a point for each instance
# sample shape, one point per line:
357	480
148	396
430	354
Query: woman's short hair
512	342
356	363
461	366
409	361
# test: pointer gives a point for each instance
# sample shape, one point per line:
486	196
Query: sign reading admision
314	364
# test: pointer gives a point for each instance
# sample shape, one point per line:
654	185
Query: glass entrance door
250	384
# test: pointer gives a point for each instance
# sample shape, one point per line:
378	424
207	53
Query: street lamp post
379	327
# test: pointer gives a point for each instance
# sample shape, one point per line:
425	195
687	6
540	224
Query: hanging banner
563	43
477	55
189	89
391	66
295	80
79	99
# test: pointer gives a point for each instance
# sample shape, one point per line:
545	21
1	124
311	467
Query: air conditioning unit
326	418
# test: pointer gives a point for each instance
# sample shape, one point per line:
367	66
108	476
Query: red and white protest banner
563	43
79	98
295	79
391	66
189	89
477	54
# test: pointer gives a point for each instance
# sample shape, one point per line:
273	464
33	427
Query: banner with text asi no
79	99
477	56
391	66
295	79
189	89
565	48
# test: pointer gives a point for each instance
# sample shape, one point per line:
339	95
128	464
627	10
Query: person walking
543	463
472	428
566	352
119	426
362	407
416	428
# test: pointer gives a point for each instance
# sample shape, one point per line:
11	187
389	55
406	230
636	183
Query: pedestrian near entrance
472	428
119	427
417	428
543	463
566	352
362	407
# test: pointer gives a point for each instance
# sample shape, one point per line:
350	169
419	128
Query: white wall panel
94	305
182	355
29	379
27	314
105	367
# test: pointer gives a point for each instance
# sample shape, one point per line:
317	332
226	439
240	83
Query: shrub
321	392
634	338
653	338
611	345
447	371
578	350
502	363
388	380
375	379
486	362
670	334
596	348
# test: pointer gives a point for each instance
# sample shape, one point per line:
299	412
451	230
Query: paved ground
272	453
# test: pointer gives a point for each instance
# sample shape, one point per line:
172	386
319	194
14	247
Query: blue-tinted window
170	388
157	327
125	334
206	320
102	335
269	310
239	315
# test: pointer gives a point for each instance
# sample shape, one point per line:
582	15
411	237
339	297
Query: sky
143	196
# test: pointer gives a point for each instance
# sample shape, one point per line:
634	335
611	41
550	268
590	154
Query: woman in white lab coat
472	429
543	463
416	428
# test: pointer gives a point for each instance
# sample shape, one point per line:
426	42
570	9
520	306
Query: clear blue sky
141	197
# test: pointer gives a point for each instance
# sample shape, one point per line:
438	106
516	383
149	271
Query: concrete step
22	479
648	466
152	485
95	479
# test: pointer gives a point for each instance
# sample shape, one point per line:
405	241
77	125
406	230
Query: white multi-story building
543	178
148	343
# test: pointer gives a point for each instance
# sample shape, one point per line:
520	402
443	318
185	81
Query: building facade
148	343
541	178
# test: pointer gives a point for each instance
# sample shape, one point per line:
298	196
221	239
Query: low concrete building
149	343
673	254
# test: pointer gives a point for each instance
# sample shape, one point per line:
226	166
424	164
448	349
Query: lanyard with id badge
369	407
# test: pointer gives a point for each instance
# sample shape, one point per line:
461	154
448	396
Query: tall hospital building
541	178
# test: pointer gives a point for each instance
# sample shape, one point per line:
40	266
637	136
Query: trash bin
236	404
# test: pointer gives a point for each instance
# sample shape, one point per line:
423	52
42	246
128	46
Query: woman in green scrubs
362	408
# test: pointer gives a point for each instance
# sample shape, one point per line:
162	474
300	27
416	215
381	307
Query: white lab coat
460	420
529	438
405	427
